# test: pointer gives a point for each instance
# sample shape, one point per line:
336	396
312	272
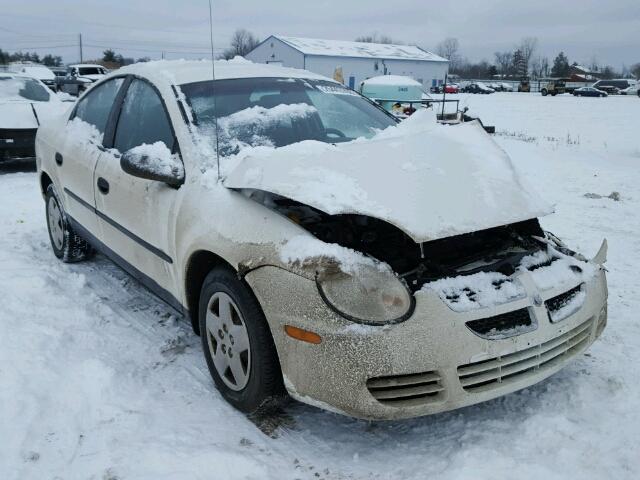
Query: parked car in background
313	266
35	70
614	86
632	90
589	92
478	87
79	77
24	103
501	87
451	88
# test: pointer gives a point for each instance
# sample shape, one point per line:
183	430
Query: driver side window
143	119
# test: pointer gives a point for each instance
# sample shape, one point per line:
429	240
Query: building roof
341	48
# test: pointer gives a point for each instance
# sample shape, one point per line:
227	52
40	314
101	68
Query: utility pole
80	45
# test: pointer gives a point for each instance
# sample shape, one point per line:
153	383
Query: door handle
59	159
103	185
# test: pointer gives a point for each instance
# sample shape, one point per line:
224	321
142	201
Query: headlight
372	296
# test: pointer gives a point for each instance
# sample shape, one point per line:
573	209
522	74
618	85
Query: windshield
22	88
277	112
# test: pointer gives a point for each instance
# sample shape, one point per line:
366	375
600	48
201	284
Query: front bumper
17	143
428	364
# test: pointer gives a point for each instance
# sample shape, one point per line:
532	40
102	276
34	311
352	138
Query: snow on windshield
276	112
20	88
256	126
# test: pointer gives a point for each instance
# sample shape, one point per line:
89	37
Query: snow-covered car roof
180	72
341	48
34	70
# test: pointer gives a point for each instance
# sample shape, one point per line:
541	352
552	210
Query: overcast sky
608	31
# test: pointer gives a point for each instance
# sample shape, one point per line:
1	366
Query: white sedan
25	102
320	248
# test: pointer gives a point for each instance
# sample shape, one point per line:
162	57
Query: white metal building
353	61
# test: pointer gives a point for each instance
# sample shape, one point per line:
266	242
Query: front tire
237	343
67	245
544	92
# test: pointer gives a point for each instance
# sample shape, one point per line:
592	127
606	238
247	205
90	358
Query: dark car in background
589	92
478	87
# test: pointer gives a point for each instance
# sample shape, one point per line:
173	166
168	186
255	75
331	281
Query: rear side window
143	119
94	108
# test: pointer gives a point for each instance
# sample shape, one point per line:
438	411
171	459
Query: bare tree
527	48
242	42
635	70
504	61
449	49
375	37
540	67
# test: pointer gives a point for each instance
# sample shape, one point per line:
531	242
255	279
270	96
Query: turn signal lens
302	335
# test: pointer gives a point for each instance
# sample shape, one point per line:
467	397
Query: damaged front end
385	268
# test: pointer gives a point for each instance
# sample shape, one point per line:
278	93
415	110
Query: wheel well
198	267
45	181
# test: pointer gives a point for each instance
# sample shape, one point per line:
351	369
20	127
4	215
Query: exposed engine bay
498	249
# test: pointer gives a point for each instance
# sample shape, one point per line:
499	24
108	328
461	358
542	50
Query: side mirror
151	167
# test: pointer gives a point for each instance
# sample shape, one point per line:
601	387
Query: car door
80	150
134	213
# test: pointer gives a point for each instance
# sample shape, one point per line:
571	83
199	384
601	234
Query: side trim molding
145	280
143	243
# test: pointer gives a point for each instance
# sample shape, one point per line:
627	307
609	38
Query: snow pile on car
77	130
307	251
157	158
460	181
248	127
548	268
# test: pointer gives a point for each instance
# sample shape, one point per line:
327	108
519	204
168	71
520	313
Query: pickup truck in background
79	77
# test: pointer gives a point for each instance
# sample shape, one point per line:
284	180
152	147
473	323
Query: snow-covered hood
432	181
18	114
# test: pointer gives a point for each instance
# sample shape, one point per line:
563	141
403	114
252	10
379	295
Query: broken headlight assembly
372	296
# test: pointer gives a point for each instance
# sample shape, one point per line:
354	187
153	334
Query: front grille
407	390
18	139
558	302
498	371
505	324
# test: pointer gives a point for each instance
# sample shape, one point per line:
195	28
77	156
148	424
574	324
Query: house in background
579	73
355	61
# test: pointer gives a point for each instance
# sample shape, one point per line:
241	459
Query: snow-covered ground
98	380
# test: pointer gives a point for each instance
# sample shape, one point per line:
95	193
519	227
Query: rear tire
67	245
237	343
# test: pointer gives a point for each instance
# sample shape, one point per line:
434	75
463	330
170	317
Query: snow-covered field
99	381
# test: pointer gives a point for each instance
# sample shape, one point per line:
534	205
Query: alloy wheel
54	217
228	341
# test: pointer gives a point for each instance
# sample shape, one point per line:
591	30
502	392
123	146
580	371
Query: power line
154	50
40	47
107	25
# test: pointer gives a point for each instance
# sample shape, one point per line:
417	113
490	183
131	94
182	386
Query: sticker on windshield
335	90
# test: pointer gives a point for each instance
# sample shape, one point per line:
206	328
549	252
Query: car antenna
213	74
